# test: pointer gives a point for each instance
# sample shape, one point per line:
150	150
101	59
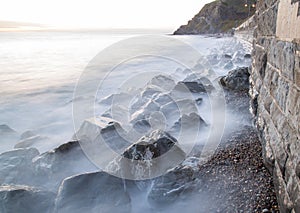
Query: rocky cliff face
219	16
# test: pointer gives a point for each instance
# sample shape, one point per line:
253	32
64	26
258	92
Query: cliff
219	16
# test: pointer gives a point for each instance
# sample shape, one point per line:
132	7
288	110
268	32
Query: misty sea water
39	71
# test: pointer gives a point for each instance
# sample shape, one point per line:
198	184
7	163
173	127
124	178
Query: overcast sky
102	14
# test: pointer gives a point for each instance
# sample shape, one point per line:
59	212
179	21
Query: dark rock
142	126
167	188
54	166
193	86
149	157
237	79
106	131
199	101
92	192
158	143
188	123
113	135
25	199
247	56
228	56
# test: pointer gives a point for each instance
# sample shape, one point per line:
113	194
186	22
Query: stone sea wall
275	92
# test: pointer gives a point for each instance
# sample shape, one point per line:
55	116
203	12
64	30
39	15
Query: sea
39	71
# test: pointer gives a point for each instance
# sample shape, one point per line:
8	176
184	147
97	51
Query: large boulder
94	193
173	110
158	143
150	156
113	135
105	130
6	130
25	199
8	138
176	183
192	86
16	166
27	134
47	170
66	160
144	111
189	123
166	83
237	79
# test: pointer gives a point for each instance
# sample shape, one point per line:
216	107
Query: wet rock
175	183
54	166
175	109
116	98
228	65
113	135
202	79
191	86
199	101
116	112
105	130
142	126
247	56
14	163
191	123
163	98
158	143
150	156
144	111
164	82
237	79
227	56
31	141
149	92
92	192
25	199
27	134
5	130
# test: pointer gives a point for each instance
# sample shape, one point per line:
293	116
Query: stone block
297	70
292	109
266	21
281	93
283	198
274	82
293	189
267	152
282	56
278	147
276	114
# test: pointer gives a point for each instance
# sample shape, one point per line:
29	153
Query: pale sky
102	13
